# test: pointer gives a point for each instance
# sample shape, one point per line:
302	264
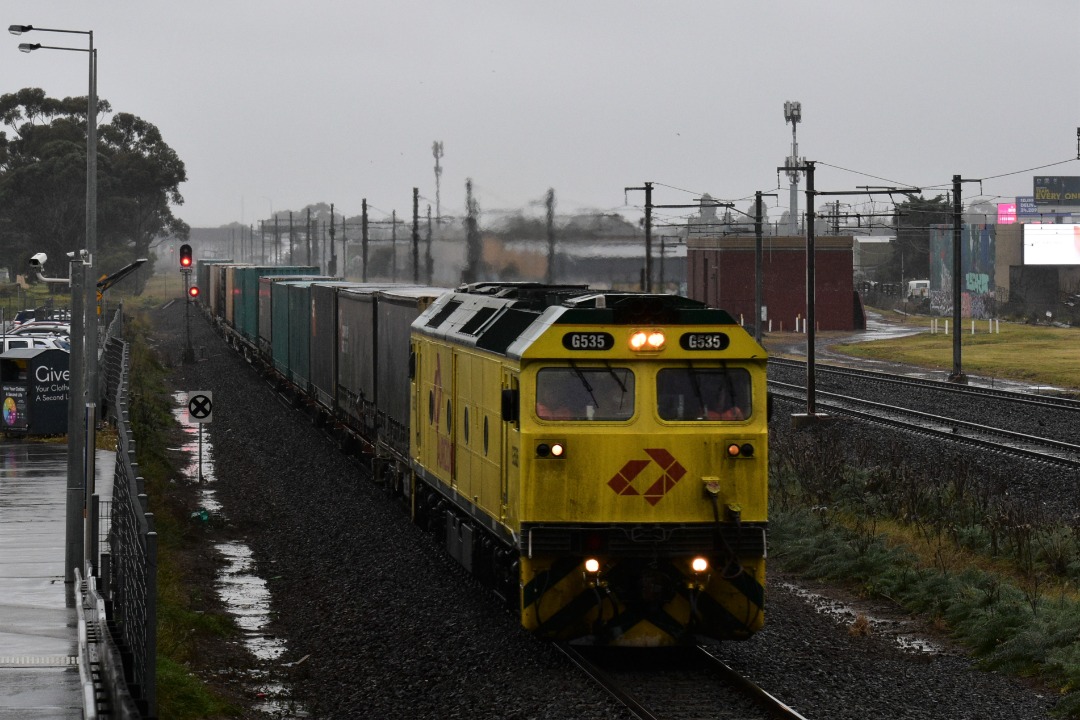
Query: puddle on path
847	616
244	594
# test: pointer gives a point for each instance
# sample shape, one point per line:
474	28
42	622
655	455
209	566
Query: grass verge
1008	352
189	623
988	569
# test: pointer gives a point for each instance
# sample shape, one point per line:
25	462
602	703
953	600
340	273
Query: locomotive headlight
592	566
699	564
647	340
557	450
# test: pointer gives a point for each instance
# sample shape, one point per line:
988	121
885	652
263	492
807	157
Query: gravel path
394	629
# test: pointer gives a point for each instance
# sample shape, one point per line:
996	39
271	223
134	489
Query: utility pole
646	284
416	235
472	236
437	151
428	261
549	202
363	240
307	238
393	245
344	249
811	291
331	268
958	375
759	275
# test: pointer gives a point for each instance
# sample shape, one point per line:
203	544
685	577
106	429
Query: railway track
674	683
1056	402
981	435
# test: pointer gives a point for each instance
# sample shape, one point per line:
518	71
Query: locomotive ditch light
591	573
647	341
555	450
699	564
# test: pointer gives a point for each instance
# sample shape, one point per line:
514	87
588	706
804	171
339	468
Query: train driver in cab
553	402
725	407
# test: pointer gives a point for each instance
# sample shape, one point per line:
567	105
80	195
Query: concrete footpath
39	673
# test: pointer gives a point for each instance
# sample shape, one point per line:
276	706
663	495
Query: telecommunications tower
793	115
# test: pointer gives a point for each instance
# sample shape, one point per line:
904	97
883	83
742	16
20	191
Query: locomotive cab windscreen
589	393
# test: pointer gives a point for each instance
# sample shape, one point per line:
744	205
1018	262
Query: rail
976	434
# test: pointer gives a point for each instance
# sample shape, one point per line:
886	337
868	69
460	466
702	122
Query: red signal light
193	292
185	256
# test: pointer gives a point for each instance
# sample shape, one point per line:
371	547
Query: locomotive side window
697	393
577	393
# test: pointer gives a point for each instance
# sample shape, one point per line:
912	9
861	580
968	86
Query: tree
142	176
911	249
43	182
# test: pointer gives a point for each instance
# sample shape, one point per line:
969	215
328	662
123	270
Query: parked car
42	327
23	316
16	342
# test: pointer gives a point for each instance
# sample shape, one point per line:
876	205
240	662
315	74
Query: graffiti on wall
977	288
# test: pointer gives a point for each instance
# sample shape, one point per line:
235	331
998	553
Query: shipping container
246	302
324	345
396	309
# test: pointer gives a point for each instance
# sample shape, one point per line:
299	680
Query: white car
43	327
16	342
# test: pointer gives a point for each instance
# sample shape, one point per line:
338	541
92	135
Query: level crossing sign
200	406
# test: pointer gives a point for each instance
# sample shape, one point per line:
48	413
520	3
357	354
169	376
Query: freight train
597	458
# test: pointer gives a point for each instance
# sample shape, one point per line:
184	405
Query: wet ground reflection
244	594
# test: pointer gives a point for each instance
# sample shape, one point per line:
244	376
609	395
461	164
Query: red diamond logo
672	472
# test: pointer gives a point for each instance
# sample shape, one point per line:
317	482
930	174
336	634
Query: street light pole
84	384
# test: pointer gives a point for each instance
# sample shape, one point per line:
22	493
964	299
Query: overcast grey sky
277	104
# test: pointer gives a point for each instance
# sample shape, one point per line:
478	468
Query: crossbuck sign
200	406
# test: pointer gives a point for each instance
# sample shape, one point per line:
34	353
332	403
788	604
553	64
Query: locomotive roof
505	318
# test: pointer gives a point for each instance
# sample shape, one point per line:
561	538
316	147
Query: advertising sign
14	411
1006	213
1057	190
1052	244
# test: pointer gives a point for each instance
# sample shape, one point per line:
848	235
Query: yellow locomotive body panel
600	507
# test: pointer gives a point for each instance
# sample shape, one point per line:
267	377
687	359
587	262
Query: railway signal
193	292
185	256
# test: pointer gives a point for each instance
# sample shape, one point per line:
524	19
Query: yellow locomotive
599	458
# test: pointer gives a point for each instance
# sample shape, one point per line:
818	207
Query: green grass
941	538
1037	354
185	628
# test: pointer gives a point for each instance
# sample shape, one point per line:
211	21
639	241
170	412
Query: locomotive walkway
39	673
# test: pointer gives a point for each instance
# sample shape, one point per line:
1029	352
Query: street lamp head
29	47
19	29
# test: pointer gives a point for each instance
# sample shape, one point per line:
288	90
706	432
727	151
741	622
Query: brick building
720	272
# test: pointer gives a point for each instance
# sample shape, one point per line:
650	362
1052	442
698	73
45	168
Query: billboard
1006	213
1052	244
1057	190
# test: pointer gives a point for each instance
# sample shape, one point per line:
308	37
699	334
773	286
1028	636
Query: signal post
190	293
